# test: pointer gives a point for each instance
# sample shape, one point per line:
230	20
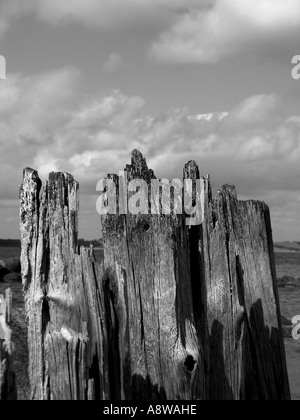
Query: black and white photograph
149	202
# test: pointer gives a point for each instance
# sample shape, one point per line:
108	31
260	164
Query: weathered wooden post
247	356
178	311
229	282
159	354
63	294
7	376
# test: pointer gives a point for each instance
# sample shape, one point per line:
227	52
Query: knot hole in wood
190	363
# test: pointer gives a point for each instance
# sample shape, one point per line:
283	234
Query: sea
288	264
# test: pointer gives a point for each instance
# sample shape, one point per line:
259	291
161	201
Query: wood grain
178	310
63	294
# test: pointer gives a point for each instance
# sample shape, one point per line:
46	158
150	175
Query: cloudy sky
210	80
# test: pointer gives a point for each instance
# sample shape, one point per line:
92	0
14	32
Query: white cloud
194	31
32	108
228	27
48	127
113	63
99	136
105	14
45	125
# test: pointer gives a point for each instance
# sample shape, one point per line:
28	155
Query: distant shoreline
16	244
286	250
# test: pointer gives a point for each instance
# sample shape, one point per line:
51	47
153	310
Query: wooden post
178	311
247	356
63	294
7	376
157	350
229	281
